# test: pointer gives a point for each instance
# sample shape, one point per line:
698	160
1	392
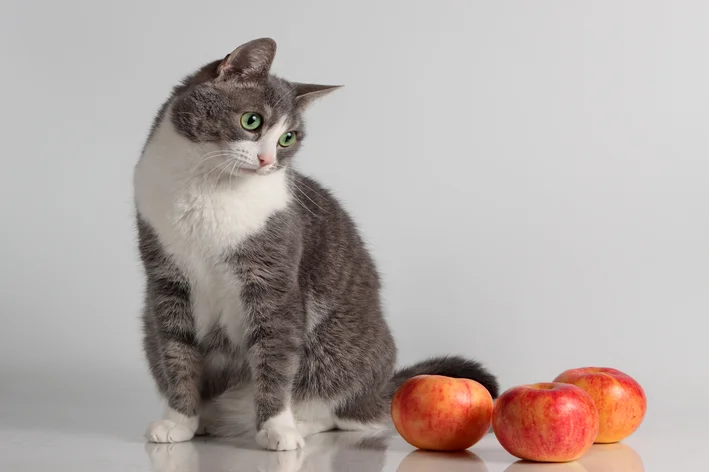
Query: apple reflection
525	466
426	461
616	457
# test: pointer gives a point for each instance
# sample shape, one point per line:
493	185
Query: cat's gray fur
314	324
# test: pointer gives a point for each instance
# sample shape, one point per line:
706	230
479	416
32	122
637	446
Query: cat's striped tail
448	366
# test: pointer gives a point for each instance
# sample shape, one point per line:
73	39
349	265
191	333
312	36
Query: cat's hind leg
313	417
365	412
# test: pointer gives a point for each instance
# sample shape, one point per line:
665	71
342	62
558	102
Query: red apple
620	400
545	422
441	413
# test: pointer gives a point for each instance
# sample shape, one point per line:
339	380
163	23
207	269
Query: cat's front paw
168	431
280	438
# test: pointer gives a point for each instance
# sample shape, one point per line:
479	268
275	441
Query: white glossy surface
92	423
45	450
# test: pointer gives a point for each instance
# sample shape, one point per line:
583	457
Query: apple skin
545	422
620	400
440	413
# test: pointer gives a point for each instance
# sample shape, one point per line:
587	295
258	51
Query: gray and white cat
262	308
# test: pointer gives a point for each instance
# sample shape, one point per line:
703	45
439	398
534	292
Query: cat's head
254	118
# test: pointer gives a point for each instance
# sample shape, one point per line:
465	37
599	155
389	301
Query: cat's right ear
250	61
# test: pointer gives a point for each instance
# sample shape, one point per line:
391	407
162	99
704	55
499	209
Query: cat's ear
305	94
251	61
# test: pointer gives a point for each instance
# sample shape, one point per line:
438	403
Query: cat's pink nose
265	159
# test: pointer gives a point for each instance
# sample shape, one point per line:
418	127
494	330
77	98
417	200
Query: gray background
531	177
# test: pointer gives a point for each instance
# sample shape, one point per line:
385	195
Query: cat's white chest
216	301
199	223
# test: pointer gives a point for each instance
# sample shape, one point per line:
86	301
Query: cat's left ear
250	61
305	94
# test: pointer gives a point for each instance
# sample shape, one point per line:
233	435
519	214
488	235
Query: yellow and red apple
441	413
545	422
620	400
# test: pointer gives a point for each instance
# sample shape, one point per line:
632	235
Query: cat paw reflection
327	452
283	461
172	457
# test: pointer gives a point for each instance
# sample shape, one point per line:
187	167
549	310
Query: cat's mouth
259	171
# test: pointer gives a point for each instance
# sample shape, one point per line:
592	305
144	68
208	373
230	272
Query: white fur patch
351	425
280	433
269	140
174	427
200	213
316	310
314	417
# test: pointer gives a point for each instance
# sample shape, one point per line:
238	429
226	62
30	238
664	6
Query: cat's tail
448	366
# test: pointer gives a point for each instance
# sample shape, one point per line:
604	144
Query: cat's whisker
300	182
196	166
211	155
217	152
295	185
245	161
224	169
303	205
231	171
215	168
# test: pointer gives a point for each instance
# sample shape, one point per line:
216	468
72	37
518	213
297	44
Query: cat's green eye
251	121
287	139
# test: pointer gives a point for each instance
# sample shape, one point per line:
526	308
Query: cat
262	311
